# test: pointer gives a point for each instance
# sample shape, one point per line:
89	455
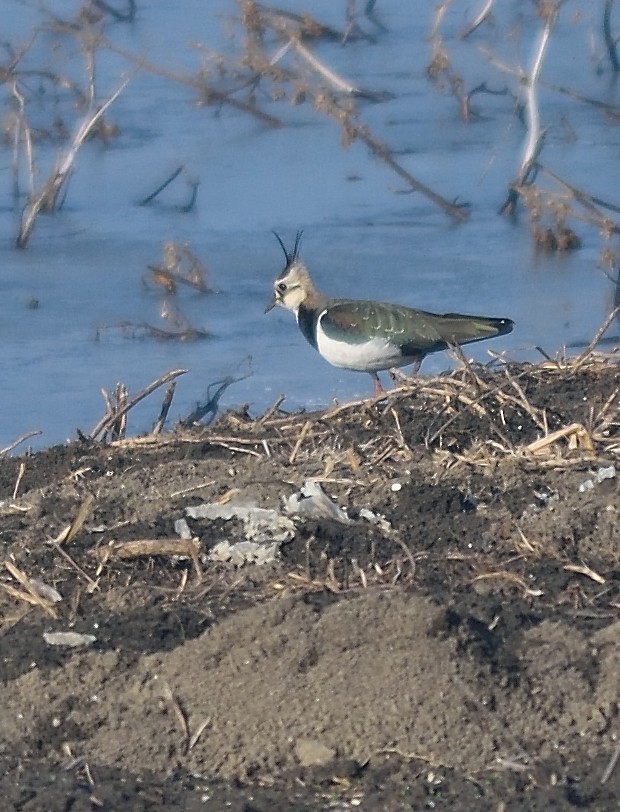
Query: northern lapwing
368	336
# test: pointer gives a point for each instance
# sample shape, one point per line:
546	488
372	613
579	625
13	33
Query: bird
369	336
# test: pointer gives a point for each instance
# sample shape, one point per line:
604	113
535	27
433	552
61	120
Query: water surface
363	235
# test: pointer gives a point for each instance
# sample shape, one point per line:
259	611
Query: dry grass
533	413
495	427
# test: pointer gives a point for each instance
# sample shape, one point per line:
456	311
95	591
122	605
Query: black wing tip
504	326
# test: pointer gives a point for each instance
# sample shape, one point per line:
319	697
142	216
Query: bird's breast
371	355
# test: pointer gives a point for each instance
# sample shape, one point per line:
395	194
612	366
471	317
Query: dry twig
114	413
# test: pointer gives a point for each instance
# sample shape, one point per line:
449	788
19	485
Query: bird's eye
282	287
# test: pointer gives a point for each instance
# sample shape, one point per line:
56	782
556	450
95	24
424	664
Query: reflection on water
84	266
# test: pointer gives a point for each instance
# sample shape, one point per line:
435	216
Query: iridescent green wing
414	331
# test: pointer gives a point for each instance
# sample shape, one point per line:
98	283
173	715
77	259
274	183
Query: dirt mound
452	640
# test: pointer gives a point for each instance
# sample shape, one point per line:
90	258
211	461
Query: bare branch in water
206	92
191	182
535	136
151	197
339	84
610	42
21	133
211	405
186	334
456	211
180	266
115	412
369	11
611	109
308	27
354	29
120	16
44	199
440	13
439	68
587	201
300	87
483	14
529	82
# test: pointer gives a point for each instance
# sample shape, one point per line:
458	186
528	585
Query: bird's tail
459	329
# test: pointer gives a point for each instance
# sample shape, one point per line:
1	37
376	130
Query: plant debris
469	565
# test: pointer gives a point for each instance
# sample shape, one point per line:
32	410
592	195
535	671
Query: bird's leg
411	379
379	390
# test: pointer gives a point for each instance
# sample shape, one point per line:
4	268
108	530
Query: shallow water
84	265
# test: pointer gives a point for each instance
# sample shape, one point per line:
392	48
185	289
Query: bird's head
293	286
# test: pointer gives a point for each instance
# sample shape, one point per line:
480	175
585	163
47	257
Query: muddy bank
452	641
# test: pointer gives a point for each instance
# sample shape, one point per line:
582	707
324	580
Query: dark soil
464	656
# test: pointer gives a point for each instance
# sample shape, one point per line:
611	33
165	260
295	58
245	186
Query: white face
290	290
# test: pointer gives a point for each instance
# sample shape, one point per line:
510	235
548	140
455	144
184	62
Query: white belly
371	356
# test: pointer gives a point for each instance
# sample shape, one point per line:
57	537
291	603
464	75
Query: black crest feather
295	253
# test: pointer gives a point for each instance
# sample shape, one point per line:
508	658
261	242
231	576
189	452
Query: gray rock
313	753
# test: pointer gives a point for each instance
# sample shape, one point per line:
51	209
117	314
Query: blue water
362	236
